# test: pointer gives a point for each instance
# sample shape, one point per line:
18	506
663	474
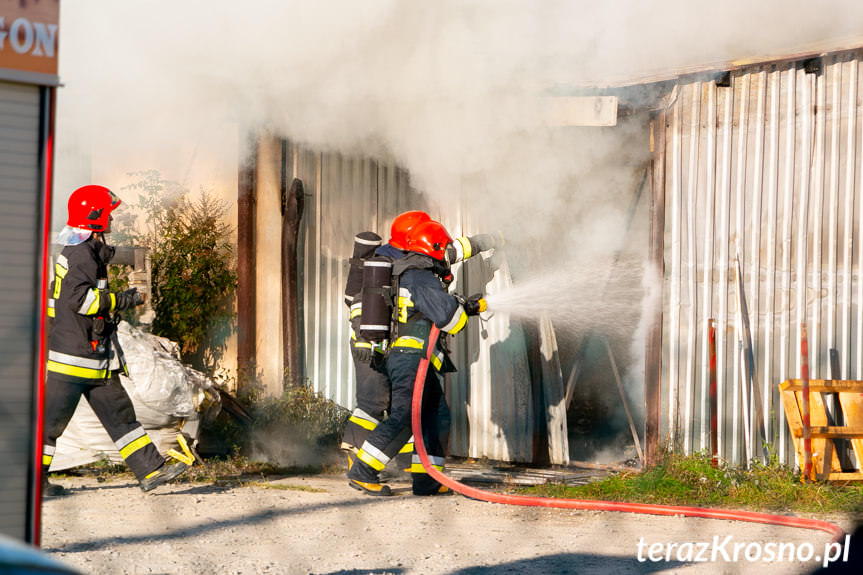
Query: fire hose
592	505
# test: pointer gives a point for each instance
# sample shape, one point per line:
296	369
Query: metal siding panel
19	189
675	350
781	190
756	188
693	122
741	110
725	97
708	94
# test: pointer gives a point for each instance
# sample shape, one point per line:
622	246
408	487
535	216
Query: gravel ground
317	524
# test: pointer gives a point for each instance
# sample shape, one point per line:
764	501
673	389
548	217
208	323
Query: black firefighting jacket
422	300
80	346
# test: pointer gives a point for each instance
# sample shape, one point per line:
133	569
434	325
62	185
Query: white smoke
449	89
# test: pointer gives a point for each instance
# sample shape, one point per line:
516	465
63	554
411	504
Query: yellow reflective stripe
457	322
437	362
50	308
365	344
418	468
151	474
113	302
91	303
370	460
404	303
135	446
61	268
364	423
47	459
466	248
75	371
408	341
407	448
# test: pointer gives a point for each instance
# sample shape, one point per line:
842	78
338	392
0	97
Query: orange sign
29	35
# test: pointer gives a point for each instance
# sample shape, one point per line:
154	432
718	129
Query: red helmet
90	208
429	238
402	224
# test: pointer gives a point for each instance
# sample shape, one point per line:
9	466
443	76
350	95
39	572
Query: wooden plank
792	413
818	418
845	477
824	385
835	432
852	409
795	423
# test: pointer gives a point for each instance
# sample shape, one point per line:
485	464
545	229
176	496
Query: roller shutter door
20	205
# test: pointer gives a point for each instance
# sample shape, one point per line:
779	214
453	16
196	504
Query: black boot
52	489
162	475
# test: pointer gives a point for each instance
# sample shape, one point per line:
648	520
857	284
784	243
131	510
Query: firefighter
372	385
422	299
84	356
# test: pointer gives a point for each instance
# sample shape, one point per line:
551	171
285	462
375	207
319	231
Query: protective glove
482	242
363	351
475	304
129	298
485	242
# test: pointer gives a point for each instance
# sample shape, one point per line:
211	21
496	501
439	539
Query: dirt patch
317	524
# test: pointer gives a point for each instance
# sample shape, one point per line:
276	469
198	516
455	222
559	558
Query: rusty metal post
714	410
653	353
292	213
807	424
246	268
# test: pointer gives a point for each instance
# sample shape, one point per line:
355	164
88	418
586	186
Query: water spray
576	300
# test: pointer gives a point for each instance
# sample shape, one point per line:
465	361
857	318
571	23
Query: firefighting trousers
387	438
373	401
115	411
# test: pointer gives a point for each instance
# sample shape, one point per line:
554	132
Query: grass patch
693	481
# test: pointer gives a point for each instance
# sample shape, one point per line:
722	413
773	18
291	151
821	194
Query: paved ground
317	524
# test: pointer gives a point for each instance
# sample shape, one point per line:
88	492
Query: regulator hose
645	508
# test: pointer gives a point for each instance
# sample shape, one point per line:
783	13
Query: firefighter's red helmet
429	238
402	224
90	208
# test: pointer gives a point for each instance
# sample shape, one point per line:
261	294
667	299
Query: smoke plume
449	89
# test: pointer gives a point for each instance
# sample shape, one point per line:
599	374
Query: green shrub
193	270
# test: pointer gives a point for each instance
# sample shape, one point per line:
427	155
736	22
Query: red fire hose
646	508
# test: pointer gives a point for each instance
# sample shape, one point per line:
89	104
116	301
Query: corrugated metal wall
344	196
21	122
764	166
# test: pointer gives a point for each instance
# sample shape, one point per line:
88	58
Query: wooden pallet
825	463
